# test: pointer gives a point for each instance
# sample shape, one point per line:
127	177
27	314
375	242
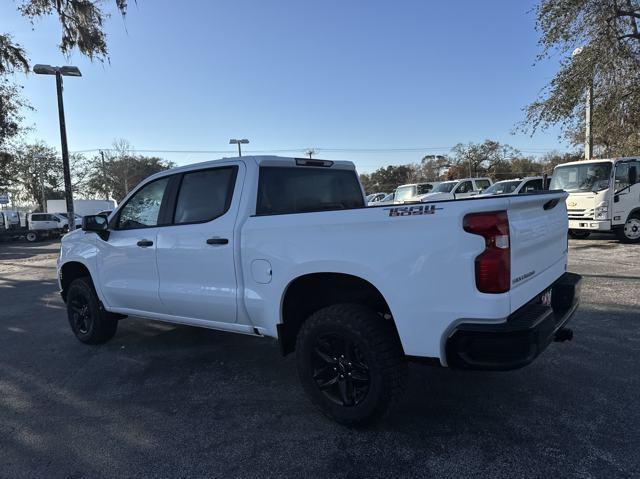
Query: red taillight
493	266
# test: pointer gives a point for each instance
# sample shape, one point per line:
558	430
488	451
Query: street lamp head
44	69
68	70
233	141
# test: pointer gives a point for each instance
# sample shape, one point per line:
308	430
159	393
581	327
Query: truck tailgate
538	229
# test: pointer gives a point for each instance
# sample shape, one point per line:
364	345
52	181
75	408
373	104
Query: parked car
375	197
43	225
410	192
280	247
457	189
518	186
9	220
387	200
64	220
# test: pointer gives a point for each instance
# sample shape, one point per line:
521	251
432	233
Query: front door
626	197
196	253
127	259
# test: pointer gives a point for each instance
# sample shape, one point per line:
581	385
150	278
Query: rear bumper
587	224
518	341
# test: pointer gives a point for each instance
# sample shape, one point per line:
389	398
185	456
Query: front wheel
88	321
579	234
630	232
32	236
350	362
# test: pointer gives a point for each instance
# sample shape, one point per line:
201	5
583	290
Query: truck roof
266	160
599	160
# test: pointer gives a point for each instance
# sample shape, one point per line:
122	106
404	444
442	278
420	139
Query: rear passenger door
195	254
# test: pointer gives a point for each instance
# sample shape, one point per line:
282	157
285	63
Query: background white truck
280	247
604	195
81	207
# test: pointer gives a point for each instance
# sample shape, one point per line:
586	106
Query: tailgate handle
550	204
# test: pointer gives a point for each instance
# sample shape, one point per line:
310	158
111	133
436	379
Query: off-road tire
90	323
376	342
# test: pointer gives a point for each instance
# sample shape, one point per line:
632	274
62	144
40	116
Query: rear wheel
32	236
630	232
579	234
89	322
350	362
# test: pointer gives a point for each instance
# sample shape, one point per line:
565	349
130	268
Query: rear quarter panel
423	264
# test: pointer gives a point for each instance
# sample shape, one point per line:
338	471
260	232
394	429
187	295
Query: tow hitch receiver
563	334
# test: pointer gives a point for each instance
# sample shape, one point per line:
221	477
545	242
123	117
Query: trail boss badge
413	210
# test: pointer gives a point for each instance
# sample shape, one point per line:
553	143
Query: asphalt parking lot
173	401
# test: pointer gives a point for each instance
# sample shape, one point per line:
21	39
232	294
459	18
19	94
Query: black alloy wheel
340	369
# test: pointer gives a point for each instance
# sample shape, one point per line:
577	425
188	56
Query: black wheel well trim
71	271
343	288
634	212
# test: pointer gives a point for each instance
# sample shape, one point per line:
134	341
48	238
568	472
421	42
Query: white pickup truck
281	247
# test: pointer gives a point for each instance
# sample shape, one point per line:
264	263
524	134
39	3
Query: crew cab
457	189
280	247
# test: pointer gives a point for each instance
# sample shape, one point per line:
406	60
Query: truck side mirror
633	175
95	223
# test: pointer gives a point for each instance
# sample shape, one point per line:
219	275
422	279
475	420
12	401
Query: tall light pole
233	141
59	72
40	157
588	136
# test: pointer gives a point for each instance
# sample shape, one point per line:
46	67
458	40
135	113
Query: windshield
445	187
584	177
389	197
405	192
503	187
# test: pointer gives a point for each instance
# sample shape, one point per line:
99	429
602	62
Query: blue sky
296	74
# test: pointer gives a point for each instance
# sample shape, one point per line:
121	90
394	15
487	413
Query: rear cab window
303	189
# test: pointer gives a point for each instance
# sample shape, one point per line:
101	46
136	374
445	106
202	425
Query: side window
205	195
464	187
532	185
37	217
143	208
622	176
424	189
482	184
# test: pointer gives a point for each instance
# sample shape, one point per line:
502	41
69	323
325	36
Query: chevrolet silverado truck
281	247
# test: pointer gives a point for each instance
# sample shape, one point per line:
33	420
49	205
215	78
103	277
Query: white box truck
81	207
604	195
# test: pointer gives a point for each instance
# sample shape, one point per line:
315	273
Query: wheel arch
71	271
633	212
310	292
